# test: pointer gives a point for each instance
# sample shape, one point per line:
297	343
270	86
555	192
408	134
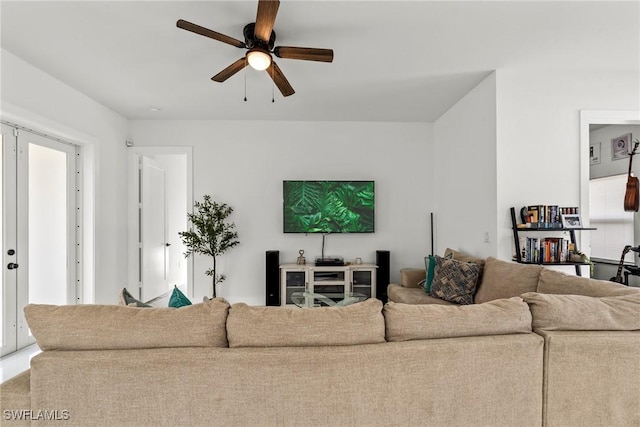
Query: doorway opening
160	197
599	167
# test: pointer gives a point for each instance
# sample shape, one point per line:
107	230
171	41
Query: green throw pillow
430	265
178	299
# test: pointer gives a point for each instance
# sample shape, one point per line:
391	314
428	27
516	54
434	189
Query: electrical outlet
486	237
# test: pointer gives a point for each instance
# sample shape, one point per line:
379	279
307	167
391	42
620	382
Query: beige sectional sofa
513	361
215	364
591	331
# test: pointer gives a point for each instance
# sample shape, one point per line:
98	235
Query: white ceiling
393	60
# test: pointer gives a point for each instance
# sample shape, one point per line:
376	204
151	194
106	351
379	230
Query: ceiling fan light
259	59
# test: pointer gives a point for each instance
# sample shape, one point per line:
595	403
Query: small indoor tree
211	234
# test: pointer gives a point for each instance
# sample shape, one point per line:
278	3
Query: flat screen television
328	206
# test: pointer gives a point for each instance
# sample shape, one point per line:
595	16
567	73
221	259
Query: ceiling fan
259	40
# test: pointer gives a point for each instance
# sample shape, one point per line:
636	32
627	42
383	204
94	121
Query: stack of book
546	216
539	250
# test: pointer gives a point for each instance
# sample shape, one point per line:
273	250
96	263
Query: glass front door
39	228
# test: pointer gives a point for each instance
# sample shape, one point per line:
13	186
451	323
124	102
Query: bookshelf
547	258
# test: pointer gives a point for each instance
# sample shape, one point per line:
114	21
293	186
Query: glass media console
335	282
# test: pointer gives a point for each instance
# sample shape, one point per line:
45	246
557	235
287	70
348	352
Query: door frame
16	214
135	153
9	288
588	117
13	115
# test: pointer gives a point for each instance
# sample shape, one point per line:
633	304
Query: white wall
34	99
471	185
538	146
465	173
244	163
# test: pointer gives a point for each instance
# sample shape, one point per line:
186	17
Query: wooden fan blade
230	70
186	25
265	19
280	80
304	53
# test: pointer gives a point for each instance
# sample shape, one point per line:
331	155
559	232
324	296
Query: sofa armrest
410	277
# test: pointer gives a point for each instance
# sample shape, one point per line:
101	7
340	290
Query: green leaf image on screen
328	206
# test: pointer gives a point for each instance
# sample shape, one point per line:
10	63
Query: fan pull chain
245	79
273	86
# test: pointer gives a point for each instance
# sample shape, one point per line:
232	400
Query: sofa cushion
406	322
360	323
397	293
556	282
502	279
454	280
584	313
103	327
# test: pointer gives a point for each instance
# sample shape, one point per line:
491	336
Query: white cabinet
335	281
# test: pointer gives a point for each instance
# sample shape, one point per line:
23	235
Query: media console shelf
358	278
516	240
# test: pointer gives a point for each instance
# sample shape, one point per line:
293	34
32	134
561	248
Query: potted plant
211	234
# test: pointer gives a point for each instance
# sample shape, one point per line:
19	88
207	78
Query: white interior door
153	238
39	228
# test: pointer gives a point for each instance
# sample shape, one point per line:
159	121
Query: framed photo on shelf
620	147
571	221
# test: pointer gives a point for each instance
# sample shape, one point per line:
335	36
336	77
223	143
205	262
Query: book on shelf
546	216
540	250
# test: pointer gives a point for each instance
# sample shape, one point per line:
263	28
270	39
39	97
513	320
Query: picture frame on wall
620	147
571	221
594	153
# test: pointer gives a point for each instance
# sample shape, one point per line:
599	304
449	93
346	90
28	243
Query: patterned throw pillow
454	281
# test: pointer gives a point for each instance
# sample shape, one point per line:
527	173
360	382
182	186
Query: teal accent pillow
178	299
430	266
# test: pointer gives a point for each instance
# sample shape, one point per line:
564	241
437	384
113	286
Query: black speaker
272	277
383	274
